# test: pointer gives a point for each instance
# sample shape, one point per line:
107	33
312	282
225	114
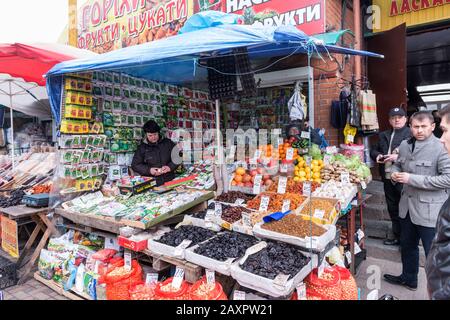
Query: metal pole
311	93
221	166
12	125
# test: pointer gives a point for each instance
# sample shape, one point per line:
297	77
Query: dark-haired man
423	167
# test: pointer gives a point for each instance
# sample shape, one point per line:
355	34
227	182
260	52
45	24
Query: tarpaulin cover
174	59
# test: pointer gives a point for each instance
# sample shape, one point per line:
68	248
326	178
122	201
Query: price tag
178	278
218	209
308	160
327	159
281	280
253	161
257	184
127	257
360	234
305	135
307	189
246	220
257	154
210	277
331	150
301	291
97	264
345	177
290	154
357	249
319	213
321	269
282	183
264	203
348	255
226	225
151	278
363	185
350	138
284	168
238	295
232	152
286	205
239	201
209	215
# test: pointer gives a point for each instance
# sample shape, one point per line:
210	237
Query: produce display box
316	243
333	216
269	286
8	273
222	267
131	244
137	189
137	224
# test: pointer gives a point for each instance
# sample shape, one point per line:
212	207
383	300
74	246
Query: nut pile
276	258
232	196
226	245
314	204
193	233
293	186
296	226
333	172
233	214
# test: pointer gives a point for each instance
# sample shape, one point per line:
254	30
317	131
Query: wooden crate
192	272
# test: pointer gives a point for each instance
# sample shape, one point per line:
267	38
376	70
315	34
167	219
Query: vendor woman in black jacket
153	158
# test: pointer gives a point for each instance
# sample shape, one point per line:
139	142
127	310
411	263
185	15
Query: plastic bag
46	264
118	281
348	284
201	290
164	291
328	287
104	255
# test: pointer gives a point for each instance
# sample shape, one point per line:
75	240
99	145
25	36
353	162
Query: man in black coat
384	152
153	158
437	267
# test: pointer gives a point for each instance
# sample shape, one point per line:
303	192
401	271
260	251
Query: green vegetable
315	152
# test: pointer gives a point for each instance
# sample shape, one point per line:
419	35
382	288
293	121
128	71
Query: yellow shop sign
388	14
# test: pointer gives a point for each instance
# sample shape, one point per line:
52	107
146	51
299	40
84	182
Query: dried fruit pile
293	186
276	258
296	226
232	196
193	233
233	214
276	201
13	200
225	246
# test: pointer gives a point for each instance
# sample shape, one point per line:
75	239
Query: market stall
269	232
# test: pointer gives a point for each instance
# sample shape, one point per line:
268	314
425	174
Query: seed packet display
101	76
139	108
107	105
90	141
124	106
138	120
126	93
131	120
117	92
66	156
116	78
109	77
76	157
138	83
132	81
132	107
117	106
86	156
66	141
83	141
85	172
145	96
94	170
101	169
108	92
123	120
133	94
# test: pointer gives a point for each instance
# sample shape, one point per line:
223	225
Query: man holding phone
385	153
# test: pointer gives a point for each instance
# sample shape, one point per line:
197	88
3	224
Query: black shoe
398	280
392	242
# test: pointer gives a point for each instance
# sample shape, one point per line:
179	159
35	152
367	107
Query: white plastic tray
268	286
318	243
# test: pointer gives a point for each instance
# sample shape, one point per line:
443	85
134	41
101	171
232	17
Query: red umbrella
31	62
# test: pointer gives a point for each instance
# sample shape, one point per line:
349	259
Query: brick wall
326	72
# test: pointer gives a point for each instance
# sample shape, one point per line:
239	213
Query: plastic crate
8	273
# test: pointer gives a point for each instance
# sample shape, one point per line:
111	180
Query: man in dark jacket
296	127
153	158
438	262
384	152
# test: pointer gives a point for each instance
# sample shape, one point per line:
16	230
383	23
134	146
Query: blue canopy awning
174	60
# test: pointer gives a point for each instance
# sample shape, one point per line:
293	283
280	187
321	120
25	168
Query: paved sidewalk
31	290
373	269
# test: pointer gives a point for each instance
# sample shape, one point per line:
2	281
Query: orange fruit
238	178
240	171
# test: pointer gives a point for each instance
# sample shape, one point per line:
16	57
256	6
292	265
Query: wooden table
39	216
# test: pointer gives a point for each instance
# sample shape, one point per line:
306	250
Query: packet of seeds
90	140
94	170
107	105
76	142
124	106
83	142
97	141
116	78
86	156
85	172
117	106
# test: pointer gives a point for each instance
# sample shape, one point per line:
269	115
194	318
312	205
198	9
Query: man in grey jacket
423	167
